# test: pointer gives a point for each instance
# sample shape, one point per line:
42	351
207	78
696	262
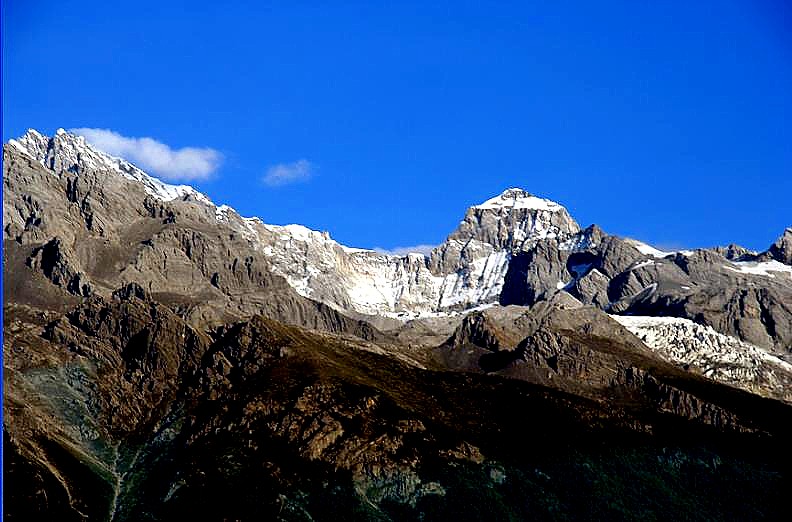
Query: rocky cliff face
90	223
781	250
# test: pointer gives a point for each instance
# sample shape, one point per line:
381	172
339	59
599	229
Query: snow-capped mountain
466	271
95	221
140	316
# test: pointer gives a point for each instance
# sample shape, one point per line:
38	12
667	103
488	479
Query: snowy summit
517	198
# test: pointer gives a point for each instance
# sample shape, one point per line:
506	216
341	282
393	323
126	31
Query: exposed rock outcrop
781	250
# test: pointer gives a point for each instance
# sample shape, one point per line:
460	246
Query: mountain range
166	357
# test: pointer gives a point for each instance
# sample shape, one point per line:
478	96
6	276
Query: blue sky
665	121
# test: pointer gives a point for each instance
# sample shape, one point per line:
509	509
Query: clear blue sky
666	121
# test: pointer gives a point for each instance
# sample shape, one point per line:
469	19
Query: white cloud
185	164
403	251
285	173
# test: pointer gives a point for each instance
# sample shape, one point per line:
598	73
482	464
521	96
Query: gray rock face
735	298
614	255
55	261
759	316
71	200
781	250
534	274
513	219
643	276
592	288
734	252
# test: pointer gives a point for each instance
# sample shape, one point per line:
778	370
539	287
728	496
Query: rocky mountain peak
781	250
63	152
515	218
66	152
32	143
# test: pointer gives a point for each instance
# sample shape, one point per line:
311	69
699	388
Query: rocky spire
781	250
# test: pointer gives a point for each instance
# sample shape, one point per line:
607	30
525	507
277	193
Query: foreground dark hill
167	359
119	410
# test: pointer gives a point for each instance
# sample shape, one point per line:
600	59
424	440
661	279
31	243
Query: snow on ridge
384	253
16	144
295	232
373	282
370	282
221	212
649	250
515	198
76	150
717	356
355	250
32	143
648	262
577	242
761	268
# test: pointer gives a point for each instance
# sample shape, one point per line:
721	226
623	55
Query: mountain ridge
166	356
514	244
468	270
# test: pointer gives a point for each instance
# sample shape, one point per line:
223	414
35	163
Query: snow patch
648	250
221	212
715	355
648	262
577	242
763	268
354	250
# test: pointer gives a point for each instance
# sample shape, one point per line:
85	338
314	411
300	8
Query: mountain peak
69	152
781	250
517	198
513	218
32	143
515	192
